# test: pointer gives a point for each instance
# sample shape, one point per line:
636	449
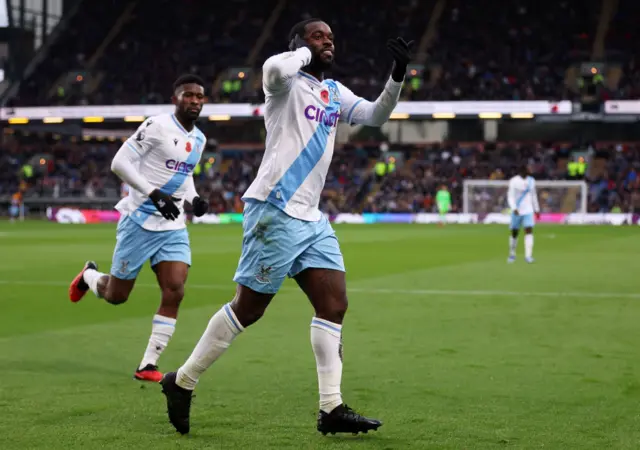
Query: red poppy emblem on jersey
324	96
188	147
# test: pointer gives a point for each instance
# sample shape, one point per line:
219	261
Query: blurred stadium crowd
471	50
112	53
83	170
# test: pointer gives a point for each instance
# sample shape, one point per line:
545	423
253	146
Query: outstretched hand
401	52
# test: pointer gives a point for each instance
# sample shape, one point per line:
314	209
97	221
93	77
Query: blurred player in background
443	200
157	162
15	206
285	234
523	202
124	189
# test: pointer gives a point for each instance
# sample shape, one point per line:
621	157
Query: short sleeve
145	137
349	103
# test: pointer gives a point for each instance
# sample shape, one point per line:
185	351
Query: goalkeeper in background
443	201
523	202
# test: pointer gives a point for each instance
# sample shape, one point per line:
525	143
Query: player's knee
114	291
249	306
172	294
247	314
333	308
116	297
339	308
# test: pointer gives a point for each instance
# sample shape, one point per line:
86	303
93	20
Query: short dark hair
187	79
299	28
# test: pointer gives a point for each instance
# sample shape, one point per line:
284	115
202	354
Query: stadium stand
81	170
527	53
623	45
361	33
141	63
522	55
131	59
481	50
72	51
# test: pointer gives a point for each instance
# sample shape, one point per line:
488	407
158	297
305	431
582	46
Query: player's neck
317	74
187	124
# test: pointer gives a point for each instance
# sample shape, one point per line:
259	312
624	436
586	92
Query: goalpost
557	196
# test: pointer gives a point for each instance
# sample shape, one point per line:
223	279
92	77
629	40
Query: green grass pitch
446	343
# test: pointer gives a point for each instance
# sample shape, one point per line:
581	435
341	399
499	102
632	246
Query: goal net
490	196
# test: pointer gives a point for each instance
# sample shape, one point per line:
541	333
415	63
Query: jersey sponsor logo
319	115
188	147
179	166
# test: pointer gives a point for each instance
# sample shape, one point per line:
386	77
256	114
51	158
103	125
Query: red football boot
78	286
148	373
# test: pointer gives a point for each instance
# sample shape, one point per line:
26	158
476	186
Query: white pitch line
418	292
480	293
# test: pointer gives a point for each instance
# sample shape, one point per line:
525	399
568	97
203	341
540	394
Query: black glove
200	207
401	51
298	42
165	204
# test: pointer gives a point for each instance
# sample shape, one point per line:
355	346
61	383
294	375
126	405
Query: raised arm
279	70
360	111
357	110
